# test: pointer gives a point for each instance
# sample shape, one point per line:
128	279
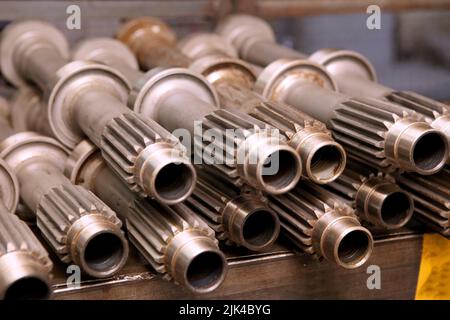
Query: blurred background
410	51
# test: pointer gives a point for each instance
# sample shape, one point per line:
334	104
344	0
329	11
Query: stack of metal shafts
201	148
255	42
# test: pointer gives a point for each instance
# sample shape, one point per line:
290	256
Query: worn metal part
172	239
28	112
180	99
254	39
323	159
380	133
88	99
25	267
356	76
153	43
237	217
78	226
321	225
431	196
375	196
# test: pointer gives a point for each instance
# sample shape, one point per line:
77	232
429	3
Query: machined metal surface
323	159
153	43
25	267
181	99
323	226
376	198
77	225
356	76
237	217
353	73
431	196
88	99
173	240
383	134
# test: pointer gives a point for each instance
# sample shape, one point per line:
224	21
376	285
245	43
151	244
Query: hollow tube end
99	247
250	223
23	277
420	148
345	242
197	263
166	173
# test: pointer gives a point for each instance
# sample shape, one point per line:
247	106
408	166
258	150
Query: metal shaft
28	112
321	225
382	134
375	196
25	267
203	44
323	159
431	196
88	99
353	73
356	76
241	218
173	239
180	99
153	43
78	226
254	40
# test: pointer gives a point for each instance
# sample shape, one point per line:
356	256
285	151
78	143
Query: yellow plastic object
434	274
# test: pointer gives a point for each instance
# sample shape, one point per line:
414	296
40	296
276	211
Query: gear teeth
15	235
224	123
301	208
152	226
425	106
353	177
361	126
61	208
431	196
124	139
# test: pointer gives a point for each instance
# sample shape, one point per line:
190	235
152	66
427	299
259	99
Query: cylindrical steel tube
25	267
180	99
431	196
172	239
375	196
383	134
241	218
323	158
254	39
321	225
153	43
88	99
78	226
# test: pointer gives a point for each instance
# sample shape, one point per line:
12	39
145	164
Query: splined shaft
376	198
431	196
237	145
356	76
87	99
173	240
383	134
25	267
323	159
77	225
321	225
255	41
237	217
